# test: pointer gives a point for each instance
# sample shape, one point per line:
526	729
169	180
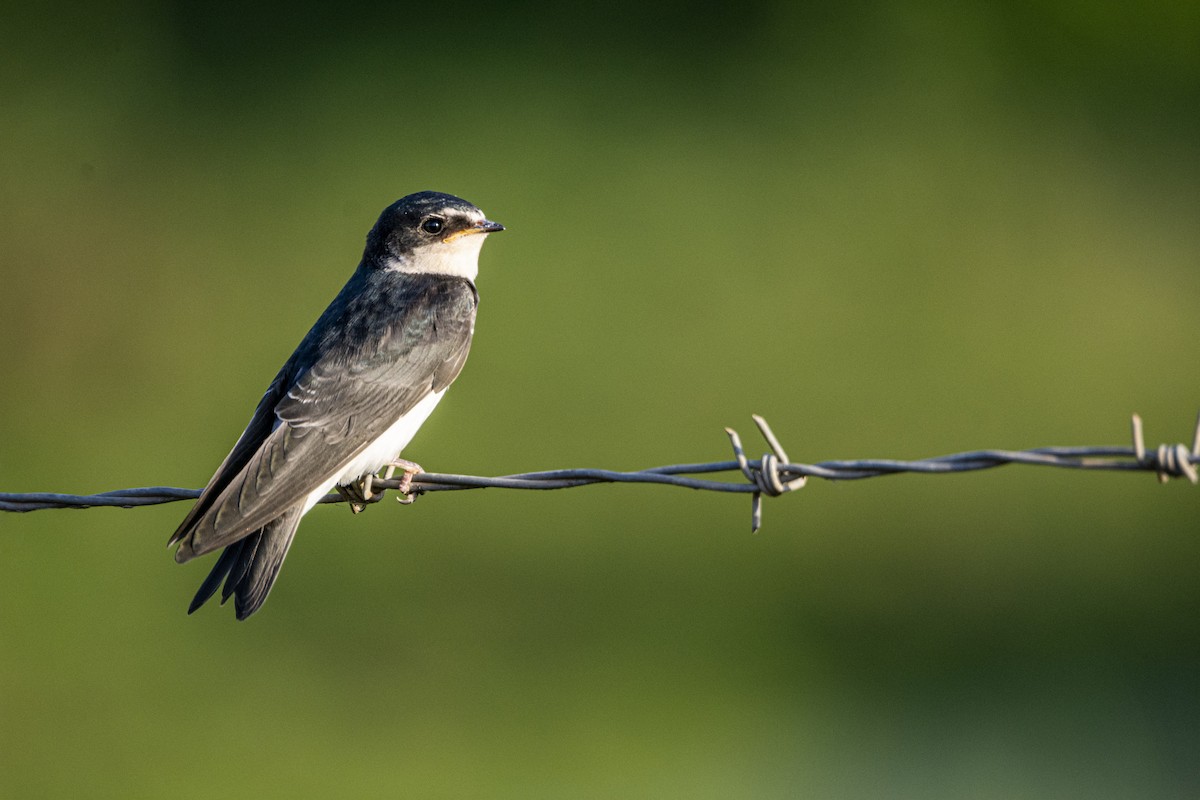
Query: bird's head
429	232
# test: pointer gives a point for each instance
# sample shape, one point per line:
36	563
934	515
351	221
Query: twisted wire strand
772	475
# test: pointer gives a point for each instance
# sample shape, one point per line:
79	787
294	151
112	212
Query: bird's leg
410	469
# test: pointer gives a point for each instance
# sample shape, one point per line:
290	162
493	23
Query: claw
352	494
410	468
360	493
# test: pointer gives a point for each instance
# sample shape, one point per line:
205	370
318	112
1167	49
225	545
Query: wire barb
1169	460
767	473
772	475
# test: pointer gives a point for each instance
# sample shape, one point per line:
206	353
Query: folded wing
392	344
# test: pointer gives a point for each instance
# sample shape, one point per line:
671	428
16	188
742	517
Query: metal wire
771	475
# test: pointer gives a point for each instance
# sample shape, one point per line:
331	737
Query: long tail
250	565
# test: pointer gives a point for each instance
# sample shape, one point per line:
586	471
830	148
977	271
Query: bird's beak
483	226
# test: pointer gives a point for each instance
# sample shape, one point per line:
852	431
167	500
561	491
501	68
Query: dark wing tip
185	552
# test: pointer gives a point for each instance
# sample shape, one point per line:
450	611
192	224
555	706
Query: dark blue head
421	231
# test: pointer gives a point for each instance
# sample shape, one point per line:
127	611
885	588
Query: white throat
458	257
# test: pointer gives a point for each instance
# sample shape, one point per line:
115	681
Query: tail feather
229	557
241	566
249	566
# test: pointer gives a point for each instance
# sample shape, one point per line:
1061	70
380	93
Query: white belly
380	451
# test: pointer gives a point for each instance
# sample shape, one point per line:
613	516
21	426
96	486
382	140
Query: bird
360	384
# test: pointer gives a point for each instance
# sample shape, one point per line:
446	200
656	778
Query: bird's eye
433	225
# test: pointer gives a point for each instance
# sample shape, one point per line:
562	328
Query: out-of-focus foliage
895	229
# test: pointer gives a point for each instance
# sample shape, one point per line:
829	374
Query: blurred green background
896	229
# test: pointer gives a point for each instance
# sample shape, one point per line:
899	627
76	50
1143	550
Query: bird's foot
410	469
359	493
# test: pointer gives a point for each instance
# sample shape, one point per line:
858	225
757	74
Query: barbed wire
772	475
